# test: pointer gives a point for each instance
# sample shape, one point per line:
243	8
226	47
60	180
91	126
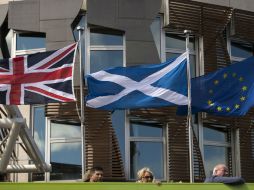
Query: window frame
50	141
130	139
16	52
230	144
102	48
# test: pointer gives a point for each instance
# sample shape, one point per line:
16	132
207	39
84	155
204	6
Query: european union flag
144	86
228	91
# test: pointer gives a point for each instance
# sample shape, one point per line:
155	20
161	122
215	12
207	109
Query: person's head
96	174
145	175
220	170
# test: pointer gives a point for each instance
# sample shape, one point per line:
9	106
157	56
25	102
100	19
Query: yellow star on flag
243	98
225	75
216	82
219	108
241	79
244	88
237	106
228	108
210	103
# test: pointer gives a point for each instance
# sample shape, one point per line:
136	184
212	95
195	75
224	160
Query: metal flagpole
189	117
82	108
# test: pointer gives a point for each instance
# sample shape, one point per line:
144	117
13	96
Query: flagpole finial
80	28
187	31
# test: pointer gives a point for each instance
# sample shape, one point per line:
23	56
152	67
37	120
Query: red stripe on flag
60	56
18	69
49	94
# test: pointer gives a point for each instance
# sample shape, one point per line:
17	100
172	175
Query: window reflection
146	154
65	161
105	37
105	59
39	125
214	155
39	128
176	41
26	41
217	147
241	49
59	130
140	130
215	134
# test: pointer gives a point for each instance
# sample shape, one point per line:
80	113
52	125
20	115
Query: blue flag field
228	91
144	86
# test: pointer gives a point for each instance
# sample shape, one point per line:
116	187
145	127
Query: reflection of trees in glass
66	161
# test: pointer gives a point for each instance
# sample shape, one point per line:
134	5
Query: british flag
38	78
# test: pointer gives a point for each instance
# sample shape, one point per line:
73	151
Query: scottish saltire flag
228	91
38	78
145	86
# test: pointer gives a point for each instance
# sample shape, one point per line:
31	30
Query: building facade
127	33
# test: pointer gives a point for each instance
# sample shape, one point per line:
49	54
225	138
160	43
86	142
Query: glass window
59	130
139	130
26	41
109	38
176	45
214	155
65	151
178	41
215	134
217	147
147	154
39	125
65	160
241	49
105	59
146	148
39	131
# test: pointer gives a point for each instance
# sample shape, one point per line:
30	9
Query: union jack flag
38	78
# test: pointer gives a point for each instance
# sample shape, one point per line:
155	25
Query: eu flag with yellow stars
228	91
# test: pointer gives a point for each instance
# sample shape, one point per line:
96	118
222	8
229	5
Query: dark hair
97	168
91	172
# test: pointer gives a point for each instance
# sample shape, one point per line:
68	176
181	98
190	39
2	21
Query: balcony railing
122	186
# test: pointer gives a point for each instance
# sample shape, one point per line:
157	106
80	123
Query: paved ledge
121	186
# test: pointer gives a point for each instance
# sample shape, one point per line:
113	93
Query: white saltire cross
143	86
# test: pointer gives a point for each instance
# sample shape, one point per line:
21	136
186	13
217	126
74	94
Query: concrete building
126	33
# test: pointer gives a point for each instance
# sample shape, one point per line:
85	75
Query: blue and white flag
144	86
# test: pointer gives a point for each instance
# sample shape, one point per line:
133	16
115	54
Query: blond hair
142	171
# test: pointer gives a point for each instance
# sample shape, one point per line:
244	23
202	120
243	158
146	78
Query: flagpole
189	117
82	108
